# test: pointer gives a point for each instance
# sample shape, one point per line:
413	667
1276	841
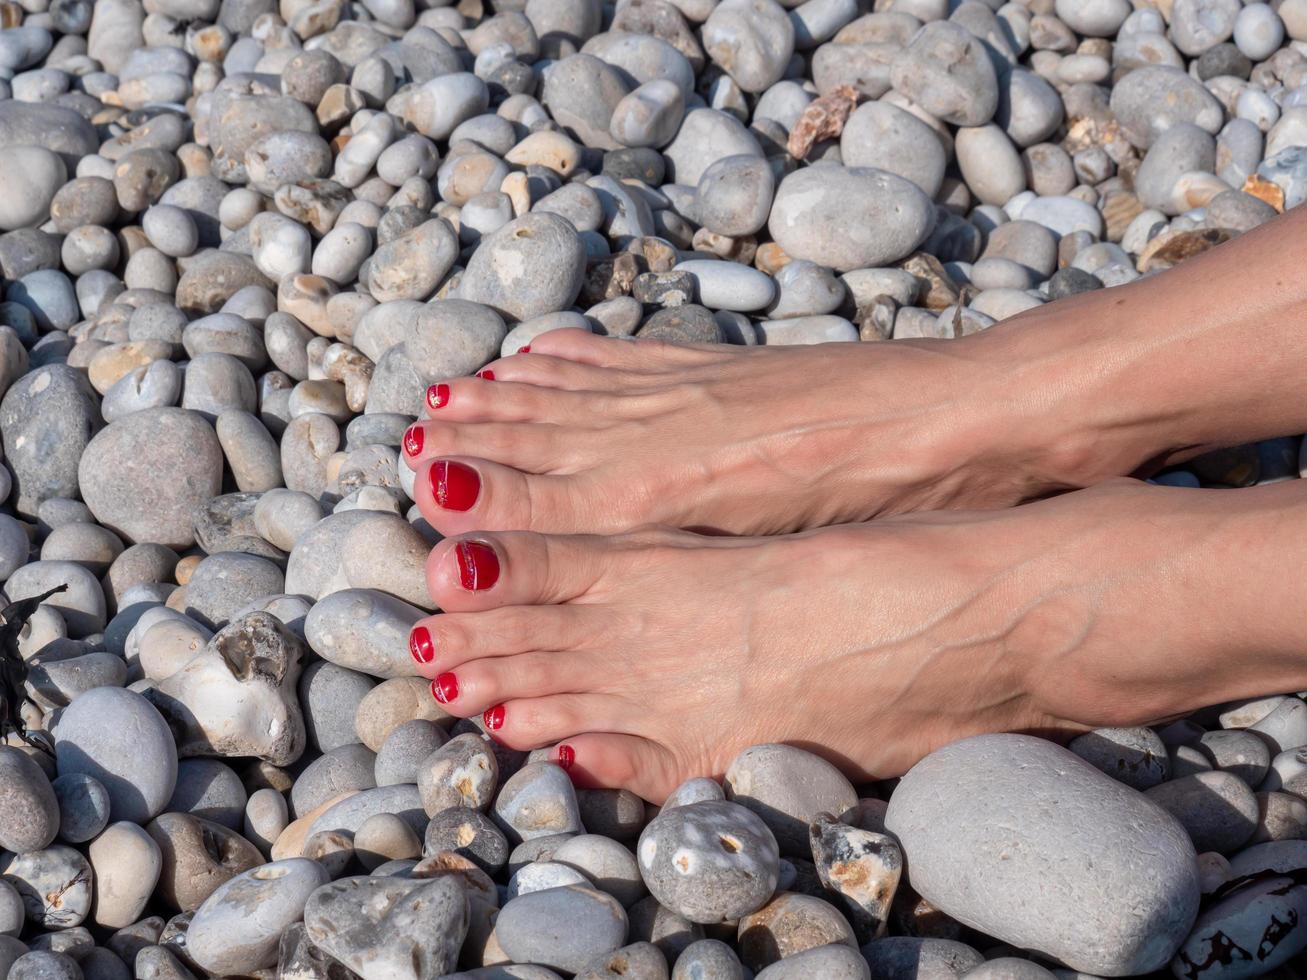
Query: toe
444	642
473	687
531	723
534	448
499	399
486	571
457	495
611	761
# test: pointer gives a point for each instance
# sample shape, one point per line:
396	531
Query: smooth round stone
81	605
531	266
405	749
469	834
605	862
225	583
787	787
989	163
47	417
329	697
888	138
734	195
385	837
198	856
788	925
1258	31
154	385
1150	100
728	285
806	330
708	959
648	116
705	136
139	773
266	816
596	926
537	801
209	789
1242	753
362	630
581	92
849	218
833	961
83	806
126	863
29	809
1217	809
1282	816
414	264
989	820
636	960
1286	769
144	475
1251	918
349	814
344	769
42	965
461	773
237	929
1010	968
1063	215
945	70
13	916
54	884
709	862
35	175
1094	18
1179	150
1134	756
751	40
1284	727
14	546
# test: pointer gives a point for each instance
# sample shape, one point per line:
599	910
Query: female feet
586	433
650	657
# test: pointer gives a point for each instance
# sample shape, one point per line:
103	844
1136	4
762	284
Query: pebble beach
240	240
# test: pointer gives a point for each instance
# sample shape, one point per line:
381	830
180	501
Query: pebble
1217	809
1245	934
1134	756
138	774
237	928
710	861
29	809
596	926
210	789
787	787
363	630
537	801
197	856
83	806
126	863
1132	850
54	884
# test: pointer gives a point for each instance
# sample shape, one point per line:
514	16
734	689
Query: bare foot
591	434
657	655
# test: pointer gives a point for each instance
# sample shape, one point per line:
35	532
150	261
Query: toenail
486	375
454	485
494	717
566	756
438	396
478	565
413	440
420	645
524	350
445	688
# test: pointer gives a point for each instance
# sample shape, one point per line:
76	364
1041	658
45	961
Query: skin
656	654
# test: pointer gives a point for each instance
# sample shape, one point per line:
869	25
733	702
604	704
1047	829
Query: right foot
591	434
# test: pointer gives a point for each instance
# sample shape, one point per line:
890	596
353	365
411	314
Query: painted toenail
420	645
445	688
566	756
486	375
454	485
413	440
478	565
524	350
438	396
494	717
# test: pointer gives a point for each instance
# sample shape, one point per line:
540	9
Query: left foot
650	657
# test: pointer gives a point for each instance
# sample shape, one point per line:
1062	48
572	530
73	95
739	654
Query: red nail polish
486	375
438	396
413	440
454	486
524	350
478	565
420	645
566	757
494	717
445	687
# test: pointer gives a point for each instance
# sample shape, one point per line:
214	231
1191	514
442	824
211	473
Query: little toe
457	495
486	571
448	640
600	760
